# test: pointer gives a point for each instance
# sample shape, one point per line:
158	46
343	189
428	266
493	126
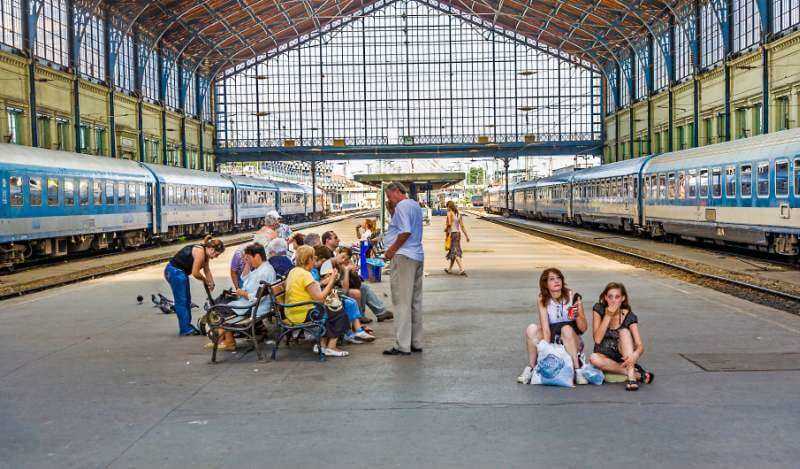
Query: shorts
555	330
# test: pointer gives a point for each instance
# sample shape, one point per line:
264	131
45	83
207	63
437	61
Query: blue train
53	203
745	192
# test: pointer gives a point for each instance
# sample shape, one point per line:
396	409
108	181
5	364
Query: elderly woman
278	250
301	287
273	220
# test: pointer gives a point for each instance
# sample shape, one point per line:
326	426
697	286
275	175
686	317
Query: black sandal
645	377
631	385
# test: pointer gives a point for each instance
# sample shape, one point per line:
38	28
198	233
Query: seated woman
323	273
301	287
618	345
278	251
561	319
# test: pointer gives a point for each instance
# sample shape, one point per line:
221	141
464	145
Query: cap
274	214
326	268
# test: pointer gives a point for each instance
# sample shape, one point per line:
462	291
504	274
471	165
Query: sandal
645	377
447	271
631	385
463	273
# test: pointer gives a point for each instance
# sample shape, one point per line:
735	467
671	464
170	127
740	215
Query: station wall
55	117
648	131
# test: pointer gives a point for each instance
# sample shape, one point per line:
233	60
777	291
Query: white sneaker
580	379
352	339
525	377
316	348
365	336
335	353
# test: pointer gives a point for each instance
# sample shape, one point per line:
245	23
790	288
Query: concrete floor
90	379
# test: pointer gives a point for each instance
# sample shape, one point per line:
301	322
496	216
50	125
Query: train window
110	193
716	182
781	178
681	185
662	186
206	200
762	178
730	181
179	195
671	185
703	183
69	192
746	180
654	186
692	183
83	191
52	192
647	188
797	177
121	193
132	194
15	190
97	192
35	190
142	192
171	194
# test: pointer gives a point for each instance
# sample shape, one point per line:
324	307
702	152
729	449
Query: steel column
313	188
74	64
505	166
111	59
137	85
32	9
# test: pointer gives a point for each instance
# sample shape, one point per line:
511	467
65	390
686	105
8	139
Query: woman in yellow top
301	287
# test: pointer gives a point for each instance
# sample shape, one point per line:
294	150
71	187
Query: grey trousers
407	298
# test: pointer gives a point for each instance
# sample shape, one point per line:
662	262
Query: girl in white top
561	319
453	228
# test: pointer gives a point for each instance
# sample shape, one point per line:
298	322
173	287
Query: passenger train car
53	203
744	193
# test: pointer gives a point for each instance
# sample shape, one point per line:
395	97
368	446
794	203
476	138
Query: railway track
751	290
153	255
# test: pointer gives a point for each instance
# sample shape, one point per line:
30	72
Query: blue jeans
369	298
179	283
351	309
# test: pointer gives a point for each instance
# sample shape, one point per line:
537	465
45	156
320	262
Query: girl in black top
618	345
191	260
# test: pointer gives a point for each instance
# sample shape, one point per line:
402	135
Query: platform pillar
313	188
505	167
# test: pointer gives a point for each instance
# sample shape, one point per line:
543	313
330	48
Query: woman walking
453	228
191	260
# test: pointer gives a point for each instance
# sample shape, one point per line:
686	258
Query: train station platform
88	378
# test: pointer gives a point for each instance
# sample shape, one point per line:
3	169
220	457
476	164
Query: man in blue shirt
404	238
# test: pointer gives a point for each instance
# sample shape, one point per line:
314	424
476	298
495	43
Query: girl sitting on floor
618	345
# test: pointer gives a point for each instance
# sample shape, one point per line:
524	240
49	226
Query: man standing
404	238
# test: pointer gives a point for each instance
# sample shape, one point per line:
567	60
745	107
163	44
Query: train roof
784	143
253	183
610	170
553	180
289	187
173	175
523	185
102	166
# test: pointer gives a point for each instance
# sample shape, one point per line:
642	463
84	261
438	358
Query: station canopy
225	34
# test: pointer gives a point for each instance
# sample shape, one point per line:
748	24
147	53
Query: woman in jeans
191	260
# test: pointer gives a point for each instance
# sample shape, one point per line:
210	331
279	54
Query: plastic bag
554	366
592	374
447	242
